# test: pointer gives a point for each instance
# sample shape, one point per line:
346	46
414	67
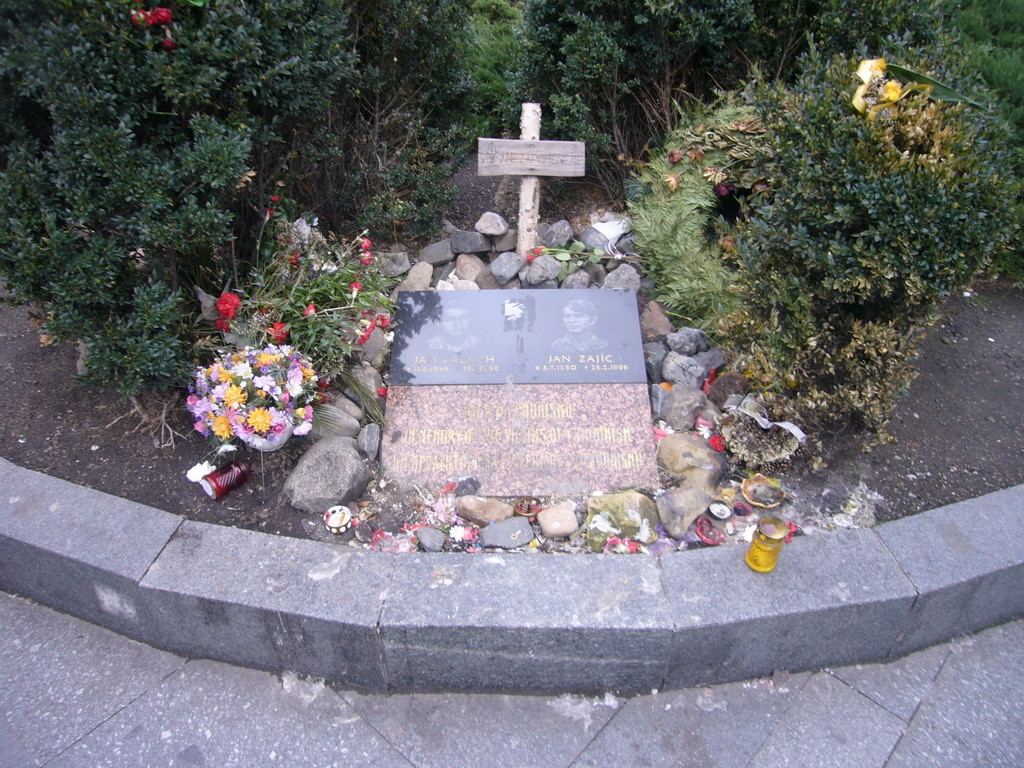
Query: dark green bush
610	72
993	36
399	128
867	226
134	166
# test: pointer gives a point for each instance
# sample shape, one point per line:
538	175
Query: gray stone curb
508	622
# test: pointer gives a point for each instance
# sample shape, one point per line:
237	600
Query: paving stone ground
78	696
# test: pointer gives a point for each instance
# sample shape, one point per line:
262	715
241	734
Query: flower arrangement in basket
261	396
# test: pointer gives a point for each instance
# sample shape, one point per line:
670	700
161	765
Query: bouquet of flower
260	396
317	293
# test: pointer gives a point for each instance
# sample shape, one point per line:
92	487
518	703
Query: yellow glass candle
766	544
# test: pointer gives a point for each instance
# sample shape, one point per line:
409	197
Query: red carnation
167	44
356	286
310	310
160	16
382	392
222	325
717	442
228	304
140	18
366	244
383	321
274	198
365	260
278	333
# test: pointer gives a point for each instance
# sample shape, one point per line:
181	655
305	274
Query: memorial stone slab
540	393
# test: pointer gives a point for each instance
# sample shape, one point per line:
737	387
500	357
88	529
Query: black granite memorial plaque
519	337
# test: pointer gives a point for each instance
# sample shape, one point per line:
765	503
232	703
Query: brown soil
960	429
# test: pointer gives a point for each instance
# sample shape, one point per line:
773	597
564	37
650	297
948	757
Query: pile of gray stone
486	258
679	362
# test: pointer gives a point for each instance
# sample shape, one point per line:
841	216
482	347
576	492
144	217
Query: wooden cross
530	158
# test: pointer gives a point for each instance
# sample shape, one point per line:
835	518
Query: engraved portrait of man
455	335
579	317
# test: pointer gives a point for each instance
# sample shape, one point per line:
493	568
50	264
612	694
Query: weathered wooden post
530	158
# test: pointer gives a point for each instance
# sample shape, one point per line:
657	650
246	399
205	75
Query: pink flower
356	286
201	427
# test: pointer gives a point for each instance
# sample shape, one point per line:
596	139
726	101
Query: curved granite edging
516	623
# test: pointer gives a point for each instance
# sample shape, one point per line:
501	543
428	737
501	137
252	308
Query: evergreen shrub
143	148
867	226
610	72
684	199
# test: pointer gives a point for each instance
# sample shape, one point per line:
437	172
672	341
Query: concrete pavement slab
212	714
271	602
967	560
833	599
493	730
830	724
715	727
971	715
78	550
898	685
13	753
538	623
63	677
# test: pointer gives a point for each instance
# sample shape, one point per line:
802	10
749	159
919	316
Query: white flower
227	449
201	470
457	532
302	229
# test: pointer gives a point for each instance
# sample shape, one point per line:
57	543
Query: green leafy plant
494	46
322	296
574	257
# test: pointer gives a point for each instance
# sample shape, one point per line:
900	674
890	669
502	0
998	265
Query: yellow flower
259	419
300	412
891	91
222	427
234	396
265	358
308	373
261	393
